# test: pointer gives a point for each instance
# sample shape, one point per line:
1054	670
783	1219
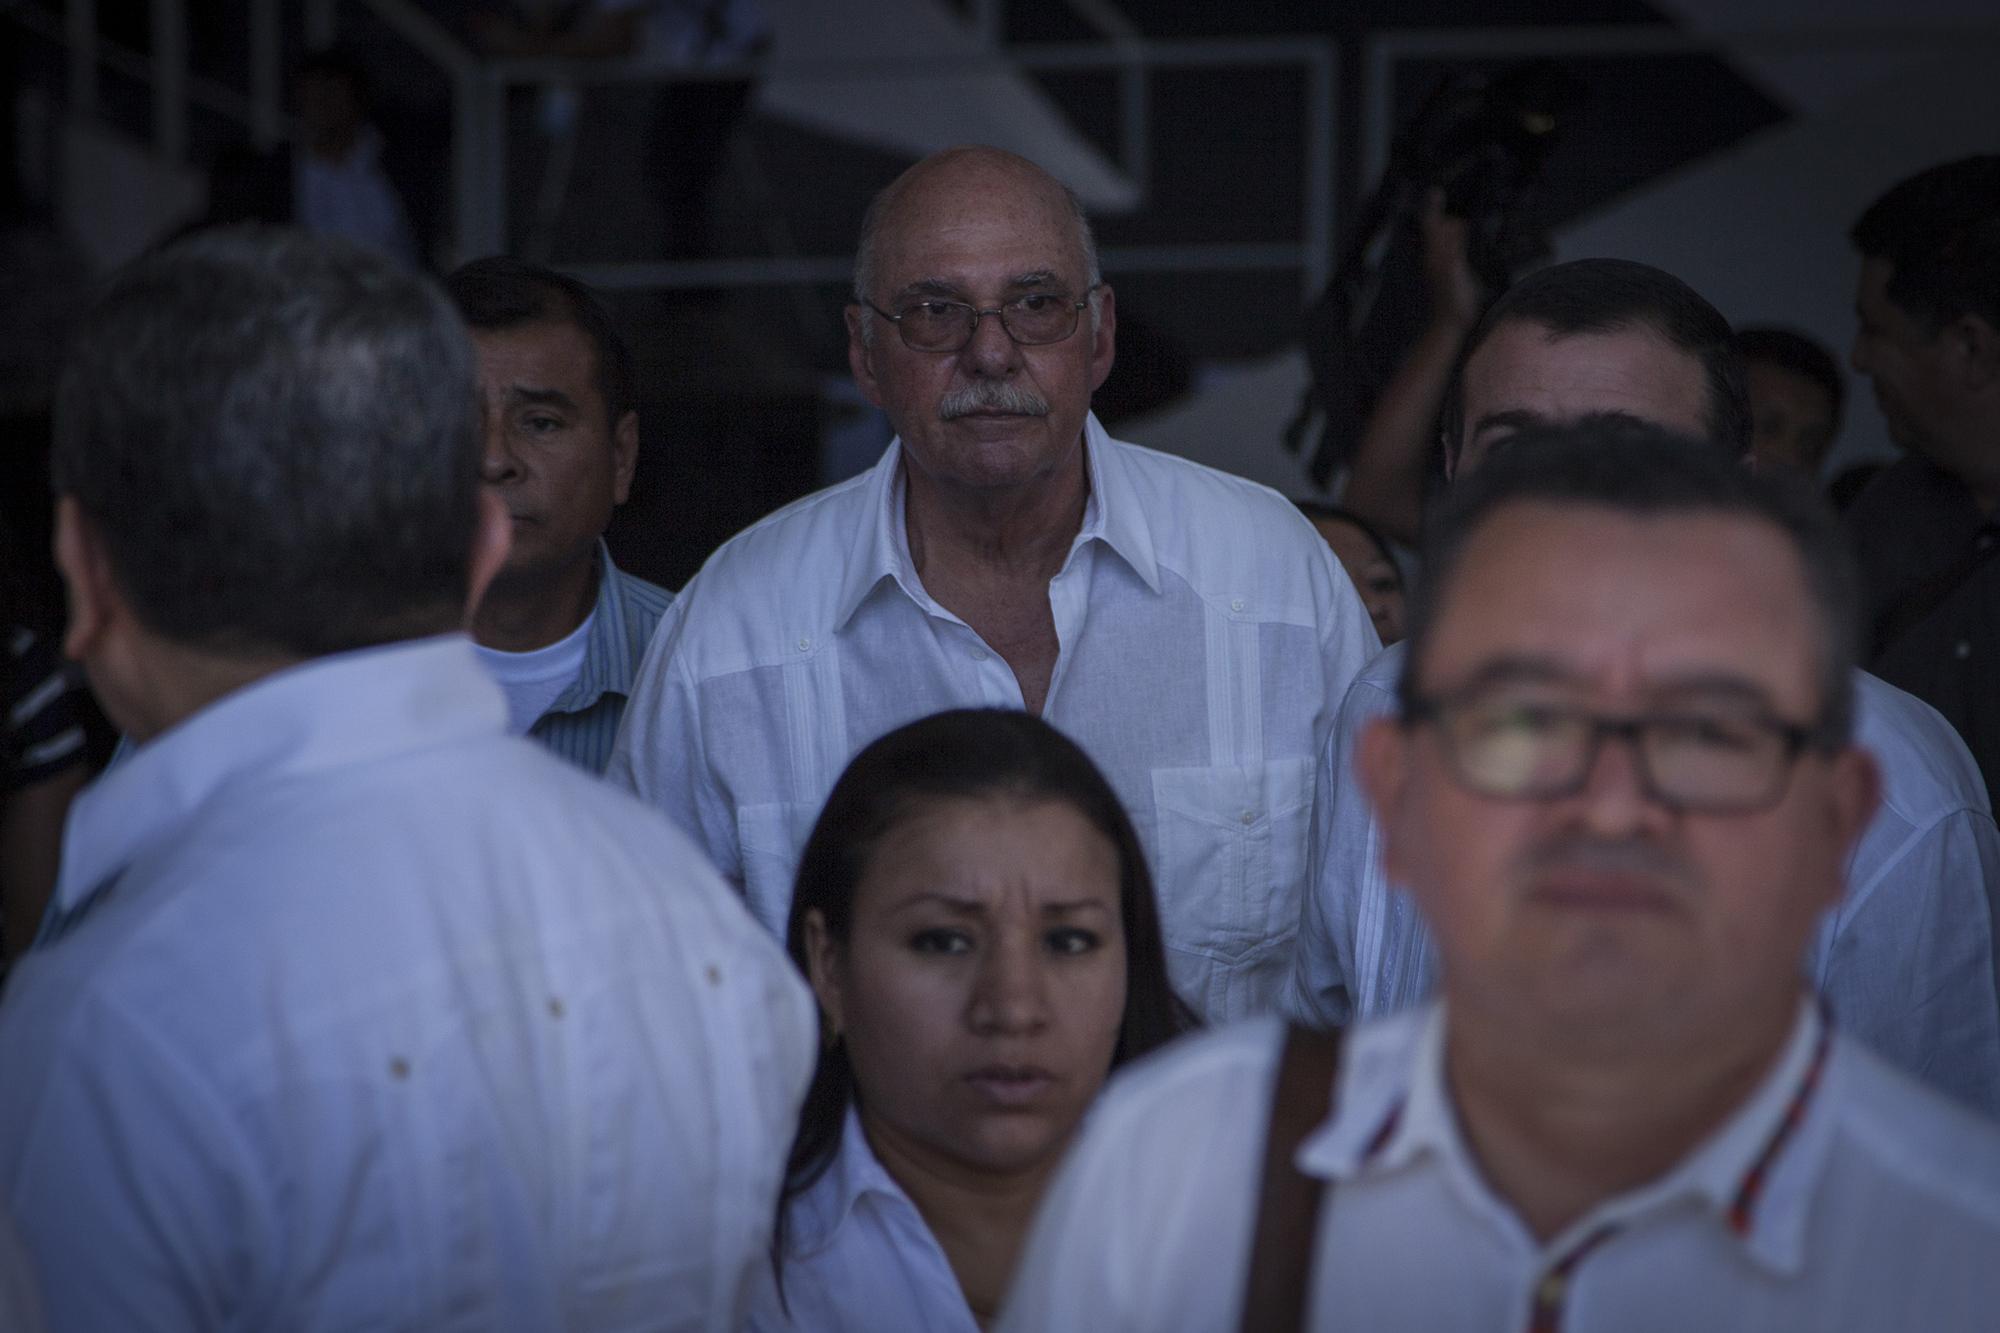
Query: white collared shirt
357	1013
1850	1200
1206	636
1906	960
859	1258
352	198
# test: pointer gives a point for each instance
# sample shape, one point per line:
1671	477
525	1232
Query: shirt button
979	654
1236	604
805	645
1249	816
1551	1290
1961	650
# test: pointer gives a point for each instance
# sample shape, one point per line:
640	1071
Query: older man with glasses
1621	787
1188	628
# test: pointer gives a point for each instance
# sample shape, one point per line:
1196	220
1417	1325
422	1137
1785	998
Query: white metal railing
1309	254
480	87
479	90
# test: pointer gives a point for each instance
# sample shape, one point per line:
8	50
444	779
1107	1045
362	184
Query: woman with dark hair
1371	566
976	917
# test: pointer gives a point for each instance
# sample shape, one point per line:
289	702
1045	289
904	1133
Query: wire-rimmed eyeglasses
936	324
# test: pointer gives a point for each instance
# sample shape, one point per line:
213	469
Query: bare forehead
970	202
551	347
1678	593
1524	351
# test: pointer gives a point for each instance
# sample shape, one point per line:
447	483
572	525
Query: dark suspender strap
1281	1254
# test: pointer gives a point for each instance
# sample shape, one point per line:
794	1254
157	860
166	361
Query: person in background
562	628
1621	783
1928	528
975	913
1796	395
1366	556
331	182
1907	962
685	123
1392	468
1187	628
351	1010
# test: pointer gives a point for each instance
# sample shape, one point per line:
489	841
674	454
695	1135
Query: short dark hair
1940	232
275	436
1788	349
967	753
1609	296
1320	510
1641	470
501	292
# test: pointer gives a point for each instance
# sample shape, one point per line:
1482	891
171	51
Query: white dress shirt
1839	1196
858	1258
354	1012
1206	636
1906	960
352	198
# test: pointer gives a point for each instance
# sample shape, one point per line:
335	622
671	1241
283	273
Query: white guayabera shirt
1207	635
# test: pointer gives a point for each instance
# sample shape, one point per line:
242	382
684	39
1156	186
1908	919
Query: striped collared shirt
583	721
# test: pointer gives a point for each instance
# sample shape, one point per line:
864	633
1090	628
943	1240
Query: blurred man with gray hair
353	1011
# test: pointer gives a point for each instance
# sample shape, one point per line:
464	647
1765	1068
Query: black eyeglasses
1711	760
933	324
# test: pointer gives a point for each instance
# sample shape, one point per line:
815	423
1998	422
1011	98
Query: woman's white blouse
858	1258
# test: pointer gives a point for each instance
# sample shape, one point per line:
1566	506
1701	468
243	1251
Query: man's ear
95	605
1103	338
492	539
1382	763
822	957
858	352
624	455
1857	795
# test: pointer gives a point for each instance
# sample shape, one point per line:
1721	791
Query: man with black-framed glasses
1621	790
1187	628
1908	958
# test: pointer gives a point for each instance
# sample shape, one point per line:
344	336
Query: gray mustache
992	396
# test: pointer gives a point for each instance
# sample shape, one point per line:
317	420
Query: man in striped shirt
563	628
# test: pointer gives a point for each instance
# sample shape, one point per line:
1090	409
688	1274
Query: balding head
977	174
